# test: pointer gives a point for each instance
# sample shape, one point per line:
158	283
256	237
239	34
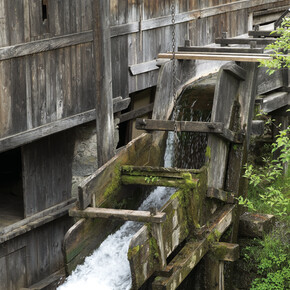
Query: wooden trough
184	221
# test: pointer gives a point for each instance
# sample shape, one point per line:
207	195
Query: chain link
173	75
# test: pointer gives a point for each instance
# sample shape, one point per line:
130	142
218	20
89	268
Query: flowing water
108	267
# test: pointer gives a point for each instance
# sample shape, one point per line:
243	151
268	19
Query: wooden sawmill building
73	78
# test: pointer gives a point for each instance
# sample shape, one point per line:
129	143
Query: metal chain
173	76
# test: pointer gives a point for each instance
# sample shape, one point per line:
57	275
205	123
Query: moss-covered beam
220	194
158	176
153	180
193	251
225	251
122	214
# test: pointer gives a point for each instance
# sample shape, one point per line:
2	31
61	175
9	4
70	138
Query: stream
108	267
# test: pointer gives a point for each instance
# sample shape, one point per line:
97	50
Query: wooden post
103	77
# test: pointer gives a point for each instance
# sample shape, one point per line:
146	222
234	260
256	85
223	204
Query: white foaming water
108	267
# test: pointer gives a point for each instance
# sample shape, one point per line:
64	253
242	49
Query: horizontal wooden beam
158	171
155	181
263	33
215	56
181	126
206	49
38	46
186	126
136	113
220	194
188	16
236	71
159	176
144	67
120	104
36	220
225	251
259	41
31	135
45	45
258	127
122	214
255	225
274	101
28	136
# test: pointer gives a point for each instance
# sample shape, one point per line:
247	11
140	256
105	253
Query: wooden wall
46	71
32	257
47	86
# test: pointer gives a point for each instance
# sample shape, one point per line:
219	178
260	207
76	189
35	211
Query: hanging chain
174	91
173	75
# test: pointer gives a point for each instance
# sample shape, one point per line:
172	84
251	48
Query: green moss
213	237
154	247
133	252
220	252
208	152
115	183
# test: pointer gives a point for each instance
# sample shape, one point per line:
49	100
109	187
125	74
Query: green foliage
279	47
271	259
266	187
151	179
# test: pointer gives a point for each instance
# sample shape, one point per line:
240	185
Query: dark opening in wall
11	189
141	106
44	10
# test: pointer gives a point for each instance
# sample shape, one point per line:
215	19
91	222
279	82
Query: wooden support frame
186	126
259	41
136	113
262	33
36	220
206	49
122	214
215	56
192	252
158	176
104	94
220	194
225	251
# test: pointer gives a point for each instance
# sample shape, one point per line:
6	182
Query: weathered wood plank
140	151
159	181
258	127
50	281
157	22
158	171
186	126
144	67
215	56
237	71
255	225
120	104
36	220
45	130
274	101
45	45
225	251
122	214
262	33
192	252
206	49
223	108
103	81
136	113
259	41
220	195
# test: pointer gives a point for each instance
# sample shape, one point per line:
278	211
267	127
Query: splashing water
108	267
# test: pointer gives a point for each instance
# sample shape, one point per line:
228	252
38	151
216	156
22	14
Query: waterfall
108	267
